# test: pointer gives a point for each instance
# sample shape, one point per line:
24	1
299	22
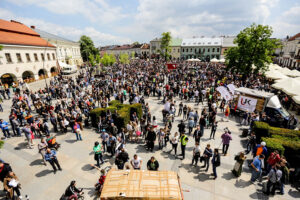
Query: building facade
175	46
227	43
155	47
67	51
289	55
203	48
25	55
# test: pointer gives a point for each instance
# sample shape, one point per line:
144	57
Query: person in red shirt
273	159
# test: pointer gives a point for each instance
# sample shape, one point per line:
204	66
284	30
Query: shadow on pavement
203	177
43	173
22	145
294	193
141	149
228	176
239	183
71	141
166	155
87	167
37	162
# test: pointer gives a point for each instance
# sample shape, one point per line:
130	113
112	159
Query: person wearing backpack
274	178
216	162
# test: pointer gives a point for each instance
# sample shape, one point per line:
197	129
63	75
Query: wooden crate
141	185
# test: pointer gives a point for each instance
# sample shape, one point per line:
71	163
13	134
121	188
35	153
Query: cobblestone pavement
39	182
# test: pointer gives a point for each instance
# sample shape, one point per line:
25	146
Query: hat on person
263	143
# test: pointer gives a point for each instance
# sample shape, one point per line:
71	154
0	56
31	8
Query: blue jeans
215	171
255	175
78	136
6	132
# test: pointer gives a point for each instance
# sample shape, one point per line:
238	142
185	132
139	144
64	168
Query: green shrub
274	144
124	112
284	132
1	144
261	129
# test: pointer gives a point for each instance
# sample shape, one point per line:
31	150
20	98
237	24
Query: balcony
297	57
292	53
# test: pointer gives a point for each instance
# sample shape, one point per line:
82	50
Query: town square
149	100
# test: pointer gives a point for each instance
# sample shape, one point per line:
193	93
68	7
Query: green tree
254	47
92	59
165	49
1	47
97	59
132	55
124	58
87	47
112	59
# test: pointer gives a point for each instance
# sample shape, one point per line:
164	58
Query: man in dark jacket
151	137
122	158
4	169
216	162
181	127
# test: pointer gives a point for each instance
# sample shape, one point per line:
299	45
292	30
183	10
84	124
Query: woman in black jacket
216	162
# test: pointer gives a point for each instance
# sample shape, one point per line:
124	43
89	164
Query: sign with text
247	103
224	93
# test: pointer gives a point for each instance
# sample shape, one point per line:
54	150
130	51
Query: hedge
286	141
124	112
1	144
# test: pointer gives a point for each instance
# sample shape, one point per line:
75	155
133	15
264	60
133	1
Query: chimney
15	21
33	27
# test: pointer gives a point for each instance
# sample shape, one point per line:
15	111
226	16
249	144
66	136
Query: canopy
289	86
296	99
214	60
222	60
193	60
274	74
274	102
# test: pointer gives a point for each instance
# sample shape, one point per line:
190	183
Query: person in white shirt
136	162
174	141
196	153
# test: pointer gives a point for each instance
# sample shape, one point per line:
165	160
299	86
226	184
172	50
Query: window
209	43
203	50
178	50
28	57
218	49
53	56
187	50
19	58
191	50
43	57
48	56
182	49
208	50
8	58
213	50
36	57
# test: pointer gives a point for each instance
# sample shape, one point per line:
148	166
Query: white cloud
197	17
93	10
287	23
67	32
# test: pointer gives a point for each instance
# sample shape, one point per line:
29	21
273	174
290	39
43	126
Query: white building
67	51
25	55
289	54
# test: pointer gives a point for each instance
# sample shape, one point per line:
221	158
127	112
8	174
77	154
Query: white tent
193	60
274	74
214	60
222	60
296	73
289	86
296	99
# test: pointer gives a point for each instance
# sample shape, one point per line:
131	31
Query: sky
110	22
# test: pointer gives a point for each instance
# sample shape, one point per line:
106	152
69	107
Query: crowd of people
66	103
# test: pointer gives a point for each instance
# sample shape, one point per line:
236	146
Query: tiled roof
294	37
18	34
145	46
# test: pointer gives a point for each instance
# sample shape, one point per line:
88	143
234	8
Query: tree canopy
165	49
108	59
254	48
87	47
124	58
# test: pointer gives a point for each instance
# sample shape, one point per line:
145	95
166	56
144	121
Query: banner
224	93
231	88
171	66
247	103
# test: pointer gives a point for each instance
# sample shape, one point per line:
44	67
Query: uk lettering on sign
247	103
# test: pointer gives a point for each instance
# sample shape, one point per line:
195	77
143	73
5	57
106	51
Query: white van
69	70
